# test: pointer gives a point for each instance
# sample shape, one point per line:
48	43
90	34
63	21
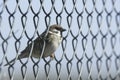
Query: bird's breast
52	45
55	40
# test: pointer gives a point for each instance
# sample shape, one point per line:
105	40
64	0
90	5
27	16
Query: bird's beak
63	30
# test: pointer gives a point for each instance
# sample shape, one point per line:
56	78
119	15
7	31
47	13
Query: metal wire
90	46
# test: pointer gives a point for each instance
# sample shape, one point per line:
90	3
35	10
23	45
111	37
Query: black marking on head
57	27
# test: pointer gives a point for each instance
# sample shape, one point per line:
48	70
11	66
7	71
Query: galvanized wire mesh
90	47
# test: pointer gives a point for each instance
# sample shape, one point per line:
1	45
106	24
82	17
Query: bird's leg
52	56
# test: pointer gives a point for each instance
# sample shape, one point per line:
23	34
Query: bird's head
56	29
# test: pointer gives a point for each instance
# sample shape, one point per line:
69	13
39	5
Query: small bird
52	39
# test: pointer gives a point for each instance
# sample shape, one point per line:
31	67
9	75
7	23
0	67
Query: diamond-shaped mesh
90	46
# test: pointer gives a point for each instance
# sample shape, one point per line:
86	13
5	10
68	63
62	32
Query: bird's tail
11	62
21	56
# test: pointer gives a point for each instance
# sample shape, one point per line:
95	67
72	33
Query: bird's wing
38	44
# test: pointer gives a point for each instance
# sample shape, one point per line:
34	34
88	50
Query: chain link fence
90	47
